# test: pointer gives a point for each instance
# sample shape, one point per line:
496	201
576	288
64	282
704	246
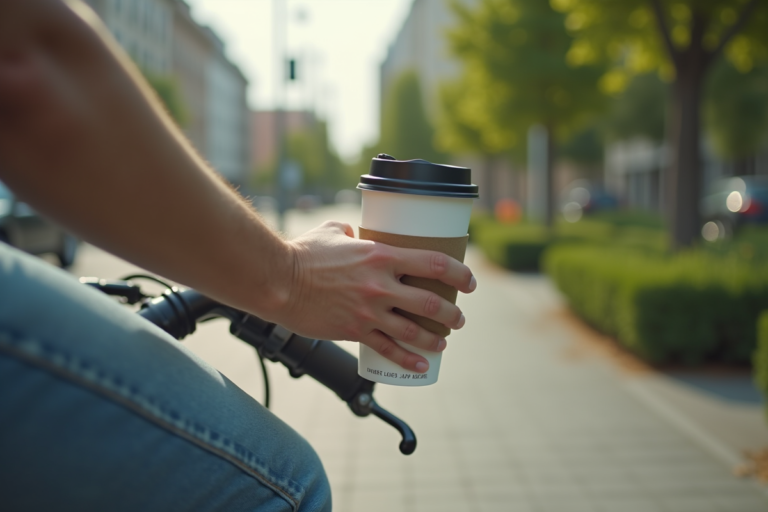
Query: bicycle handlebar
177	312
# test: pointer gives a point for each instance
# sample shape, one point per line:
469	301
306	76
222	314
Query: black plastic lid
418	177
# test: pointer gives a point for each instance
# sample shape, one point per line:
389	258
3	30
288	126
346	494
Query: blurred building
421	45
633	170
143	28
227	118
163	39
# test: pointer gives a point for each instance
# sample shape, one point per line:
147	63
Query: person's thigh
100	410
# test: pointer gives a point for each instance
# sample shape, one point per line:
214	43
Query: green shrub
516	247
685	308
760	359
520	246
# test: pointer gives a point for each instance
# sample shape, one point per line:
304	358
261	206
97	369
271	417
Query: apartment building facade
163	38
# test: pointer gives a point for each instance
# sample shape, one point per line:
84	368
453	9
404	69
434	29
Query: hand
345	289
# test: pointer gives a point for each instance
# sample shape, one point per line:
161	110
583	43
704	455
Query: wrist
279	281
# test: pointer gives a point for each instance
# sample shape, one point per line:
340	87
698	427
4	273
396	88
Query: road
533	412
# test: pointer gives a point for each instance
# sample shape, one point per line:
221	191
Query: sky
338	45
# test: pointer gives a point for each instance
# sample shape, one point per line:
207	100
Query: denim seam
113	388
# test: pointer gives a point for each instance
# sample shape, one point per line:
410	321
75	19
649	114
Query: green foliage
167	89
584	147
312	150
517	247
520	247
687	308
466	112
405	130
625	33
760	359
323	172
639	110
736	110
516	75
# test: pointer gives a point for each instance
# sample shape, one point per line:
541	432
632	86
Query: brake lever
363	404
408	444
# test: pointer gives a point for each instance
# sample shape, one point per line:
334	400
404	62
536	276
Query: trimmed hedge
686	308
517	247
760	360
520	246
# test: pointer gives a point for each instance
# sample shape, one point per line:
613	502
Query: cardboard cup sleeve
454	247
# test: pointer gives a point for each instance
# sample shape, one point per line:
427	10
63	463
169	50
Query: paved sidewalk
517	422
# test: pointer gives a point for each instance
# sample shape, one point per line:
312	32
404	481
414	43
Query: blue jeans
102	411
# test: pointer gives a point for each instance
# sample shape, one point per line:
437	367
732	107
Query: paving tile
753	502
511	505
571	504
689	504
376	501
556	490
628	505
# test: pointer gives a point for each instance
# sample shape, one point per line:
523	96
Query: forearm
117	171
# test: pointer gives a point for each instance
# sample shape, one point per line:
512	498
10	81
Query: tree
736	109
639	110
514	51
321	166
322	171
406	133
167	89
461	125
681	39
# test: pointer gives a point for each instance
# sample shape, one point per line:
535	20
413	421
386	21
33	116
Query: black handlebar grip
327	363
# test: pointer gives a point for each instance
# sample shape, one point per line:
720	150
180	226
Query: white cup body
412	215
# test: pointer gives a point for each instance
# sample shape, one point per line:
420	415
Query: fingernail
441	345
421	367
472	284
462	320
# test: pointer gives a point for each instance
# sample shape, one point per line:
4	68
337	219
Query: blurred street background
533	412
616	352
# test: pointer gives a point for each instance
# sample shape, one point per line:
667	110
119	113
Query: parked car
732	203
22	227
582	197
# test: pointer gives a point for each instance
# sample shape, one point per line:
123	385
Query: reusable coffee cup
420	205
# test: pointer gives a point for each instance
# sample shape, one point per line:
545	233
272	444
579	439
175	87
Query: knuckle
374	290
438	263
431	305
379	255
351	334
365	317
386	348
410	331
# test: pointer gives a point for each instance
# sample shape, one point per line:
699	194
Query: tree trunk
684	184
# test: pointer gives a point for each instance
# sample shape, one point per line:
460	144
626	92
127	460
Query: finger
342	226
428	304
435	265
394	352
400	328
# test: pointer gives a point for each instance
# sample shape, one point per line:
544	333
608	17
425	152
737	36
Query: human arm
82	137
